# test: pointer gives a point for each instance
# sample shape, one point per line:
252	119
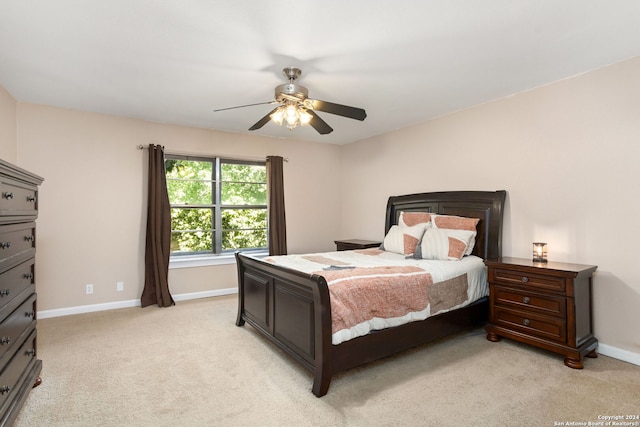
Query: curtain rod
176	153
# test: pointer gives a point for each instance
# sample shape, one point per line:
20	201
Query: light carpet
189	365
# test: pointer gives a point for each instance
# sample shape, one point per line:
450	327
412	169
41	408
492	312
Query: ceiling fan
296	108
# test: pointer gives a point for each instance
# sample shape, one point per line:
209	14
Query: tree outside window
217	205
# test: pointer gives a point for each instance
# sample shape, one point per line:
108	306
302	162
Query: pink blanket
373	289
361	294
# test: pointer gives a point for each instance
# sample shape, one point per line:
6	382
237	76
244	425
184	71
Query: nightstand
348	245
547	305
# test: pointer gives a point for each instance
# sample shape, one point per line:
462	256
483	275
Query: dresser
19	364
548	305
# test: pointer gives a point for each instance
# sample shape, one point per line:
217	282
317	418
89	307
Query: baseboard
205	294
618	353
128	304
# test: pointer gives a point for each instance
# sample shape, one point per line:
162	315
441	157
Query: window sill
208	260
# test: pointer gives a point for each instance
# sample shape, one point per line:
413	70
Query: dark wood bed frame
292	309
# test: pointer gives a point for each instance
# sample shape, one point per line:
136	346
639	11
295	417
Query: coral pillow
403	240
409	219
466	226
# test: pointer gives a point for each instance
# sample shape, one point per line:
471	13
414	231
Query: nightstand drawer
543	304
524	280
532	324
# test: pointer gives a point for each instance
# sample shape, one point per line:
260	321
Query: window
217	205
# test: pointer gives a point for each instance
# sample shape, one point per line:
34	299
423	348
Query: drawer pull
4	292
29	314
5	389
31	198
31	352
28	276
526	300
525	279
5	245
7	195
526	322
30	238
5	340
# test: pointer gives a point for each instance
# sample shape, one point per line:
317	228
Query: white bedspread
440	271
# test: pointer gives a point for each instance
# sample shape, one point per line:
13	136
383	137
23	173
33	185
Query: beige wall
8	134
92	203
568	155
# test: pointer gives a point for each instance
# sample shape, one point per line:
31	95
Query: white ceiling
404	61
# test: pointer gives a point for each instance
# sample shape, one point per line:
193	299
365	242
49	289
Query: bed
292	308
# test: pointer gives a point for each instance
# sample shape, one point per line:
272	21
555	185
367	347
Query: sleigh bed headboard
488	206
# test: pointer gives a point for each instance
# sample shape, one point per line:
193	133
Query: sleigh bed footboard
292	310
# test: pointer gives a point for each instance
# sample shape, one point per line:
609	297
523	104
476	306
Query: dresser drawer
12	374
538	282
15	280
16	239
531	323
13	326
17	198
532	302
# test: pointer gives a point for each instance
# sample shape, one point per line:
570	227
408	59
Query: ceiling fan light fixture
290	114
278	116
305	117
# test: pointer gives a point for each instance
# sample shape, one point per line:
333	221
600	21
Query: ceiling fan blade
263	121
242	106
318	124
340	110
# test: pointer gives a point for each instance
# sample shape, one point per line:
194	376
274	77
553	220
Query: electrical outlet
89	289
119	286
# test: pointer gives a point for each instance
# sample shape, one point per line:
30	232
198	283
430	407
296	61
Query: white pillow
403	240
465	226
443	244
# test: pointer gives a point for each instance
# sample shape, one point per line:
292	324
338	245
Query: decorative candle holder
539	252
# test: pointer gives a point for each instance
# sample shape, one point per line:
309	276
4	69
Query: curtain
275	191
158	243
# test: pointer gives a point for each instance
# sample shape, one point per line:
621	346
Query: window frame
217	255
